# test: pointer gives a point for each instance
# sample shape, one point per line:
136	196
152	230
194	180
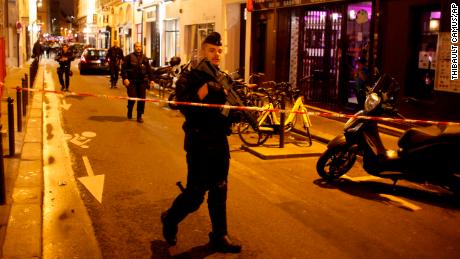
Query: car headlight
372	101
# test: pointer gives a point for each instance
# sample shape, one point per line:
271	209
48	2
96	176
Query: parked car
94	60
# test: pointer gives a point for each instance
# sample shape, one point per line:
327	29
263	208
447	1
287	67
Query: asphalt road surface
276	208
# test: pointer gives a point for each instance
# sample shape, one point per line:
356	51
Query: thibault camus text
453	23
453	40
453	62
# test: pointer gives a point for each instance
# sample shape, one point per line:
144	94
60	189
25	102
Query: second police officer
137	78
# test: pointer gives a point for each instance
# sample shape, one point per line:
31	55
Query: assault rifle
232	97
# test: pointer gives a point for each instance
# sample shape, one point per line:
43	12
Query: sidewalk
21	218
21	230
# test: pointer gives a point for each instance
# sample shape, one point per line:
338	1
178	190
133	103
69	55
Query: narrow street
276	208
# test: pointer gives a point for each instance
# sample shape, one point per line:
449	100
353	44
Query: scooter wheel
335	162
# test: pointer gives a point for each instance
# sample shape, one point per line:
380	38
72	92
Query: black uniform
115	56
64	69
206	144
37	50
136	69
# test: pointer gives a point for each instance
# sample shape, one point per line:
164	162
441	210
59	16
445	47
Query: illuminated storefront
317	45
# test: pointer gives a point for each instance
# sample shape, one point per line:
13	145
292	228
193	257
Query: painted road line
401	202
361	178
64	213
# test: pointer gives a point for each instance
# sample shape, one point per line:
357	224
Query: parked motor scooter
166	76
425	155
176	72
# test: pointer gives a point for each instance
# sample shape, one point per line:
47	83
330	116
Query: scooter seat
419	136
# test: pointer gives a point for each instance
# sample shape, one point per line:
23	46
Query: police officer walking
208	154
64	57
137	78
115	56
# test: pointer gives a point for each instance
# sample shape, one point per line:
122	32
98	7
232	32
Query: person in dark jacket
137	78
64	57
208	154
115	56
37	50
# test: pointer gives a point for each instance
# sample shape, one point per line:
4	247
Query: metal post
11	126
31	72
282	119
19	38
26	77
24	97
18	108
2	174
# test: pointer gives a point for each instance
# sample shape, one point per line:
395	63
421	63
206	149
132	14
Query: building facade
316	45
165	28
313	44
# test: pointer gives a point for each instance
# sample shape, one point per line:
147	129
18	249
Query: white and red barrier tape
246	108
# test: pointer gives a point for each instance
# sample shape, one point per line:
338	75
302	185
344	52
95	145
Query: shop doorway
333	39
154	44
319	53
357	43
263	45
420	83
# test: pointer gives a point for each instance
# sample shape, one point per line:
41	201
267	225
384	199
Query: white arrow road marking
402	203
94	183
66	106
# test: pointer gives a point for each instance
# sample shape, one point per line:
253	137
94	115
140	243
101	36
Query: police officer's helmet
174	61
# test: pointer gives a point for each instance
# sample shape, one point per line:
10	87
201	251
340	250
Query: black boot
223	244
139	118
130	107
169	229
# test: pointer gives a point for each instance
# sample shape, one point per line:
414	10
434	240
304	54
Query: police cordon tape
246	108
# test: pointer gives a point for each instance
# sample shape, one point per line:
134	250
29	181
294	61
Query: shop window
195	35
172	39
